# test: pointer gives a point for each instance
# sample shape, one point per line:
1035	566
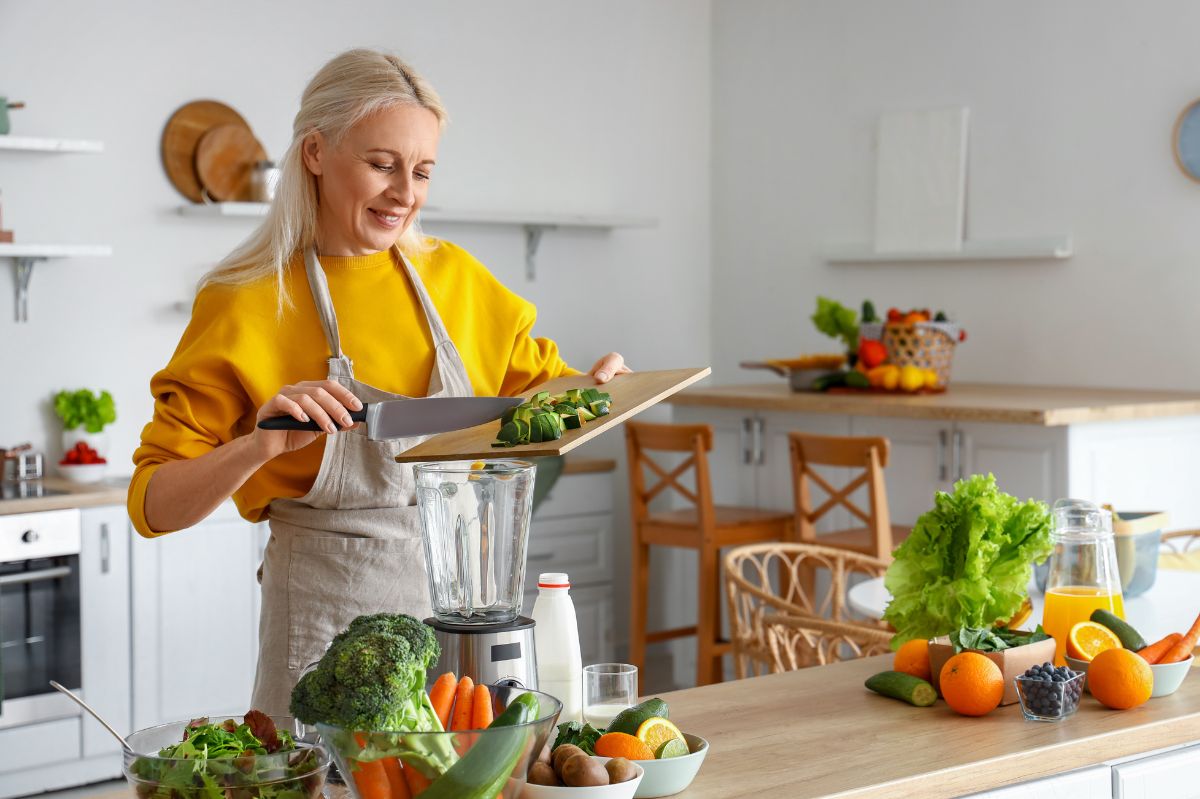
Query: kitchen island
1130	447
819	733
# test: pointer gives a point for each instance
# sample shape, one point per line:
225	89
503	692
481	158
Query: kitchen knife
412	417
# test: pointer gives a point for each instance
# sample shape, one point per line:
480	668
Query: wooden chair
764	579
797	642
703	526
879	537
1180	551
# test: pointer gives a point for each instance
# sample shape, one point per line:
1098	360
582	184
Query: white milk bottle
556	634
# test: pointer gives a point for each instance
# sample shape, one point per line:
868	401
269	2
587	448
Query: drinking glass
608	688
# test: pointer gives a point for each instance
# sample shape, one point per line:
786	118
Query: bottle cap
553	580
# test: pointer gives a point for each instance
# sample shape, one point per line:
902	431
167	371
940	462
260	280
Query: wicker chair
762	579
797	642
1181	542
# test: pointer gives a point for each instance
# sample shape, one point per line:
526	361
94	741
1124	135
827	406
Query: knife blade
403	418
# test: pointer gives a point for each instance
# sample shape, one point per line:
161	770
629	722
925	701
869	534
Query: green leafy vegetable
576	732
837	321
82	407
967	561
994	639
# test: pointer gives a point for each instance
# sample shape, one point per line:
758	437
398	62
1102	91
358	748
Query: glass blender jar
1083	572
475	524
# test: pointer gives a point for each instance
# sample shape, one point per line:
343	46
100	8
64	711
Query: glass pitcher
475	524
1083	570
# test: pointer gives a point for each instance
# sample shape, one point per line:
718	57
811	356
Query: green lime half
676	747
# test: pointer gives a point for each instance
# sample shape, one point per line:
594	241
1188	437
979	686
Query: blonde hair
351	87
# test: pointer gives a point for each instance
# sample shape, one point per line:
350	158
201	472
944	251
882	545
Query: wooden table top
819	733
968	402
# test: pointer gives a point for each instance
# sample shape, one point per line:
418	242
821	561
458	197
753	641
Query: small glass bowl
1049	701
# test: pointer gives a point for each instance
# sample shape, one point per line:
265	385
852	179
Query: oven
39	615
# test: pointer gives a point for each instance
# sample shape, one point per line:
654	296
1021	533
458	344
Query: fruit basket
925	345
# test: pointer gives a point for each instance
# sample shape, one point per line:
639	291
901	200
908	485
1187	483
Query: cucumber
1130	638
831	380
546	416
856	379
628	720
485	769
904	687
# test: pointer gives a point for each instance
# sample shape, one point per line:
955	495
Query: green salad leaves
993	639
967	562
837	321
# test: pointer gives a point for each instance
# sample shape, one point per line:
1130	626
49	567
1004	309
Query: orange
1088	639
1120	679
913	658
972	684
654	732
621	744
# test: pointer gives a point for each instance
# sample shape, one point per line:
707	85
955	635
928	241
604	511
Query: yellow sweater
236	354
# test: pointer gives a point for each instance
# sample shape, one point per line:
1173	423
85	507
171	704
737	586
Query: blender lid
519	623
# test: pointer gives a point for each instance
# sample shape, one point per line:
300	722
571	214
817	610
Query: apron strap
320	293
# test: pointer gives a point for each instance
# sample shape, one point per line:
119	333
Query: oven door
39	615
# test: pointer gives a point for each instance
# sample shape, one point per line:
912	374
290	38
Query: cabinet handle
746	435
23	578
760	450
943	474
105	549
958	455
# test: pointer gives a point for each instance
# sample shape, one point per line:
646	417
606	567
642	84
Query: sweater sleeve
533	360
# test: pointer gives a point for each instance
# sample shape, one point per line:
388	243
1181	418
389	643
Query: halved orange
1088	639
656	731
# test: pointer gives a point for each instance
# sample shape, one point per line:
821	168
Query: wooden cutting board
181	135
225	159
631	394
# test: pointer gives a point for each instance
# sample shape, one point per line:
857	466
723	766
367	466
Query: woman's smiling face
372	184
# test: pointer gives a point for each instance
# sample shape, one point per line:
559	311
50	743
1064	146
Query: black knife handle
292	423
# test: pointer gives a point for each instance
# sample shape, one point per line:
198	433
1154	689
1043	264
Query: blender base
490	654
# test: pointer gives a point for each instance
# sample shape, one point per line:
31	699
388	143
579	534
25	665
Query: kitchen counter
1047	406
819	733
111	491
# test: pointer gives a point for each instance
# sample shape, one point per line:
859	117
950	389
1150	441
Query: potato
562	753
542	774
620	770
544	755
583	771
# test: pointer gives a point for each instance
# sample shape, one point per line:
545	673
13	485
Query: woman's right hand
323	401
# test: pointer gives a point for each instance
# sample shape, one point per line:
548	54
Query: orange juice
1071	604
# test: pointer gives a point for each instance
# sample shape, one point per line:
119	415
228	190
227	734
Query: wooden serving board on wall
631	394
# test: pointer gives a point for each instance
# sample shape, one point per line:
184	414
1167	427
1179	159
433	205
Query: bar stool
703	526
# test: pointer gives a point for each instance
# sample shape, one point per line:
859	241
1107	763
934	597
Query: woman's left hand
609	367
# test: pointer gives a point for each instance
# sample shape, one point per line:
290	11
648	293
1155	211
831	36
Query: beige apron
352	544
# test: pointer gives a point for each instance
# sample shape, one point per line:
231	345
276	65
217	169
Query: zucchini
856	379
487	766
904	687
831	380
1130	638
572	421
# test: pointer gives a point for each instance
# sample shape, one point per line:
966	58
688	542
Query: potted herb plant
85	414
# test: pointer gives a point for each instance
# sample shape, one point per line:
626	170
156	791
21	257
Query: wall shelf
534	224
44	145
1049	248
24	256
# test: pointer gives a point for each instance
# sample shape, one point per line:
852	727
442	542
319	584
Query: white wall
554	107
1072	105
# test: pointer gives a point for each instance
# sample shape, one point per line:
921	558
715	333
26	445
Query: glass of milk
608	688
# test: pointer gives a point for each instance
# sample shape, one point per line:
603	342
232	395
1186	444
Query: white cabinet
1170	774
1088	783
105	626
195	619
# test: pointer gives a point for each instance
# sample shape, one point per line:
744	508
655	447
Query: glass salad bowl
291	773
476	764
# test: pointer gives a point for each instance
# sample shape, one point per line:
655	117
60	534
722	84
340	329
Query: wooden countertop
819	733
1047	406
108	492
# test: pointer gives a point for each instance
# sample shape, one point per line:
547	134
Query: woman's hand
323	401
609	367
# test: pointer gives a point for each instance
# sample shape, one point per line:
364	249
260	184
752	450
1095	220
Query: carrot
441	696
1156	650
371	779
417	782
1184	646
395	775
481	708
461	719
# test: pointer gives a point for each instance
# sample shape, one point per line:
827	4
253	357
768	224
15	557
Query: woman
340	300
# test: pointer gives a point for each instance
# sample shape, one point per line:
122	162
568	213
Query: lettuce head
967	562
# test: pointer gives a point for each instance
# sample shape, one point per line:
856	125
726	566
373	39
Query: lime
675	747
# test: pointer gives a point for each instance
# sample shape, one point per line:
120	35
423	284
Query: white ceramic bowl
670	776
622	790
83	472
1169	676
